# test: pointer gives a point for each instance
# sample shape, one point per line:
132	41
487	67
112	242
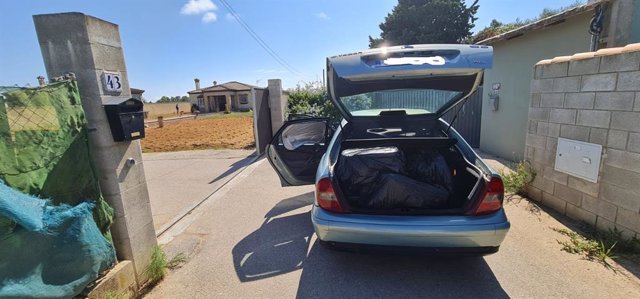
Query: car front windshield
412	101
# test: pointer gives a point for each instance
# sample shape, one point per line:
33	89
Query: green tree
427	22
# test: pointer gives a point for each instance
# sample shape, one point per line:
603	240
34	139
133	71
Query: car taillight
492	198
326	196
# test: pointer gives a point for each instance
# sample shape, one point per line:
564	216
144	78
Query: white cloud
209	17
194	7
322	15
230	17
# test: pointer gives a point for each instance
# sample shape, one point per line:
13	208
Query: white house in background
214	98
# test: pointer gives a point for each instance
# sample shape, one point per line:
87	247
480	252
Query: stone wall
591	97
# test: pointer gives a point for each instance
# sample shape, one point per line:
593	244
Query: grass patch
592	249
600	245
157	269
517	180
159	266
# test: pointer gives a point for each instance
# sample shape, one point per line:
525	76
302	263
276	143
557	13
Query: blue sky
168	43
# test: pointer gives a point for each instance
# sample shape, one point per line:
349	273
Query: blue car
392	172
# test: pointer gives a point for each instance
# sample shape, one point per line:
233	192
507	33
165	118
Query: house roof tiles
543	23
229	86
586	55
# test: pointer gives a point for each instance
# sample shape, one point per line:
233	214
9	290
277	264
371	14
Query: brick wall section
592	97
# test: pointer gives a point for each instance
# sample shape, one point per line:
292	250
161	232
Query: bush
312	99
357	102
518	180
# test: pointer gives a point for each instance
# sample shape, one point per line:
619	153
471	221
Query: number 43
114	82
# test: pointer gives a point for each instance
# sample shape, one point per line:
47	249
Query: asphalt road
253	239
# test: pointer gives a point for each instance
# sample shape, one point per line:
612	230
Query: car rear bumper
411	231
388	249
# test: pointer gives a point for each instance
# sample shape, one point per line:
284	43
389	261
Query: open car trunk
416	175
395	158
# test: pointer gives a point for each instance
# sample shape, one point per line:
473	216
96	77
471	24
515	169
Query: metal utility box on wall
494	101
494	96
577	158
126	118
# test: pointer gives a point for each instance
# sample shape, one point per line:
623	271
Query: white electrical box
577	158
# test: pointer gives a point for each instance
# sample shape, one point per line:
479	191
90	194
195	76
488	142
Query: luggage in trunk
395	191
387	178
361	168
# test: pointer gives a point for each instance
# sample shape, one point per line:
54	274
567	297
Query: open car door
296	149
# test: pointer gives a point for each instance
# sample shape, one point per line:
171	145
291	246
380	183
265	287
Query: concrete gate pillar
87	46
277	104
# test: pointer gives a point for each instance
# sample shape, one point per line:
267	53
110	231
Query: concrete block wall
592	97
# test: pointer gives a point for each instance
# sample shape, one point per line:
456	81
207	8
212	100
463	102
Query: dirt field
230	131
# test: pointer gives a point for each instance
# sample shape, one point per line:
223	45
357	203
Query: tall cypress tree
427	22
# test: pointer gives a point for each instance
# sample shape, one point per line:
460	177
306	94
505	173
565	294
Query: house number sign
112	82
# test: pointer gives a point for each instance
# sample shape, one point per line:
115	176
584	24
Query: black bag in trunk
430	166
399	191
360	168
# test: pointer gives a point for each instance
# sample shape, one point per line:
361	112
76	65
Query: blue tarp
53	251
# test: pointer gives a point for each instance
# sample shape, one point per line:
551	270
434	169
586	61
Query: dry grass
231	132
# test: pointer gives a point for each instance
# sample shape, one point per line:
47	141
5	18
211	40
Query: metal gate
467	123
469	119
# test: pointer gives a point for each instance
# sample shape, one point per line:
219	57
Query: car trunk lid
412	81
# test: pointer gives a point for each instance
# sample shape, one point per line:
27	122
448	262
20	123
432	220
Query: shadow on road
331	274
281	245
234	167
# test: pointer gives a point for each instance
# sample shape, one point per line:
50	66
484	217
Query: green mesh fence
54	223
44	147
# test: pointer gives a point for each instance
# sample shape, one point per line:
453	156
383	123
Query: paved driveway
253	239
178	181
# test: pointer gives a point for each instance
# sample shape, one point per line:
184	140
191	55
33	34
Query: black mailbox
126	119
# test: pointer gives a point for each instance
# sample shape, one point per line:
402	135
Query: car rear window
412	101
